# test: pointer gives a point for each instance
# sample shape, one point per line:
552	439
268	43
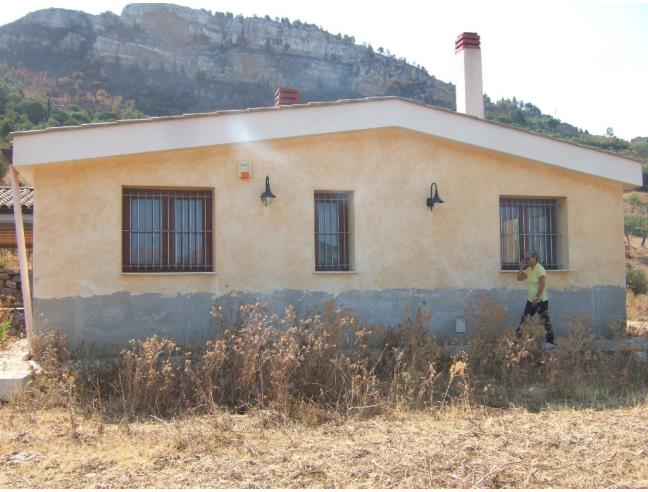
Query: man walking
537	301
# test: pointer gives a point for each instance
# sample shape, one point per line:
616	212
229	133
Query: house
8	244
142	225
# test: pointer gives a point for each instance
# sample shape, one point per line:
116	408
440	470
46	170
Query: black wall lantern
267	195
434	196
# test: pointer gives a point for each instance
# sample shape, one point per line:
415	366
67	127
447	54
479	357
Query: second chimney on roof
470	92
285	96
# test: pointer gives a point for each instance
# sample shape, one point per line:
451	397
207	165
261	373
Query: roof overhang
57	145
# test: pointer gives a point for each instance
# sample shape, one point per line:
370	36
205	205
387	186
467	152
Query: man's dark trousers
542	309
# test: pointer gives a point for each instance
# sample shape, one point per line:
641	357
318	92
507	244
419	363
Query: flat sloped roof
96	140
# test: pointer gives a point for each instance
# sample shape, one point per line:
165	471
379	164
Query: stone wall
10	284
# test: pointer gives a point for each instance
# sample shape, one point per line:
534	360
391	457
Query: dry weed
328	364
637	306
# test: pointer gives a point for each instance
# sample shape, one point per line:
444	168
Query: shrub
636	281
147	377
4	327
7	318
633	198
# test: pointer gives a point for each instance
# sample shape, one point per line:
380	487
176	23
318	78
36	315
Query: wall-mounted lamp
434	196
267	195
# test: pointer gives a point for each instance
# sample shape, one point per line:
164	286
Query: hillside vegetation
32	108
529	117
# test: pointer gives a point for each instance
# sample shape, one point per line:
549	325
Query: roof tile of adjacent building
26	197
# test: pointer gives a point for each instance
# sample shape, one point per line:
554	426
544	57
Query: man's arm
520	274
541	286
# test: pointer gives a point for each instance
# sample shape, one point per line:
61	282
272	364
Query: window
529	225
332	232
167	230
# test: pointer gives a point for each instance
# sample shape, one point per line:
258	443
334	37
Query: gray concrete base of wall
117	318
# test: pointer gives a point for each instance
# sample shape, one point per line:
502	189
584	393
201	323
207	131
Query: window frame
555	235
345	217
168	195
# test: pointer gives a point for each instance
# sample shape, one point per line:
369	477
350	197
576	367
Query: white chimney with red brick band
470	91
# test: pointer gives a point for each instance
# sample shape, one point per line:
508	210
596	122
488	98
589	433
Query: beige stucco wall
399	242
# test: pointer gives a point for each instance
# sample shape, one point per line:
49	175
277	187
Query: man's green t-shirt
533	278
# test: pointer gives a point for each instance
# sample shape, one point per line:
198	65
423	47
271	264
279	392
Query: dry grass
11	325
565	448
637	306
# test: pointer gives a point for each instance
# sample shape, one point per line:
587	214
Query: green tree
4	98
517	117
36	111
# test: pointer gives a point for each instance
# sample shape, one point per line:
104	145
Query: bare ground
564	448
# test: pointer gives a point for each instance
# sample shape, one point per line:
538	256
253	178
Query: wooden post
22	252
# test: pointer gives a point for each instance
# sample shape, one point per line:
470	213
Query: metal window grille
332	232
167	230
528	225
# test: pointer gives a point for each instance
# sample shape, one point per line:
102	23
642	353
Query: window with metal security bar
529	225
333	232
167	230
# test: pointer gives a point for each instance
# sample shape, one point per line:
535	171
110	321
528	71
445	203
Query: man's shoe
550	346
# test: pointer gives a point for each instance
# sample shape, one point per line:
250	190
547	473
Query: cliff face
173	59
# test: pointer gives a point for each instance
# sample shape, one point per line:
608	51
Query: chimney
285	96
470	92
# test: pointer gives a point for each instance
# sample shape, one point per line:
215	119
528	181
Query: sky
585	63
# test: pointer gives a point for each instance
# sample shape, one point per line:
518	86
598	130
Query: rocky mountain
171	59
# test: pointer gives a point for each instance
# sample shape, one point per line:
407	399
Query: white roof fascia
153	135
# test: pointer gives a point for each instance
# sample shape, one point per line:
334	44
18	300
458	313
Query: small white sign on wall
460	325
244	170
